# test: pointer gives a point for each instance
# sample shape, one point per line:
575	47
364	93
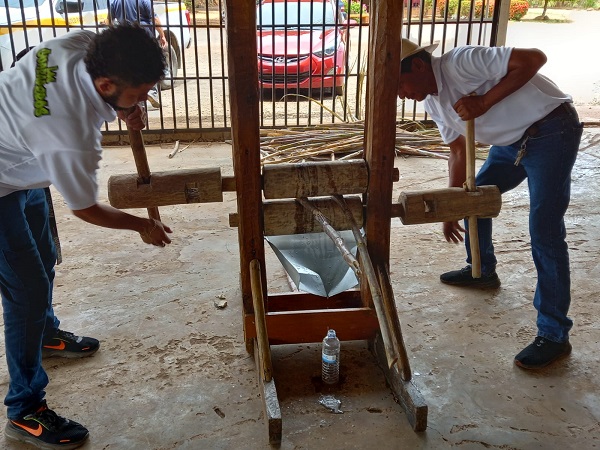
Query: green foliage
590	4
465	8
355	7
575	4
518	8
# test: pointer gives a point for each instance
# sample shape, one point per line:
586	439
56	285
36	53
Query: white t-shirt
50	121
469	69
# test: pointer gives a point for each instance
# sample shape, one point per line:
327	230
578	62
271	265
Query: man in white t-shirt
54	102
534	133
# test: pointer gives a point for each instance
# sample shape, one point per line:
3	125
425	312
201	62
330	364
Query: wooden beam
243	98
303	301
394	322
262	338
174	187
449	204
406	392
294	327
380	123
288	217
380	126
313	179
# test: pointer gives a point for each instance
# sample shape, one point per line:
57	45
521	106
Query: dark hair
406	64
127	54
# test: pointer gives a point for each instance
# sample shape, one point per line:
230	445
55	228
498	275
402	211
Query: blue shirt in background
133	11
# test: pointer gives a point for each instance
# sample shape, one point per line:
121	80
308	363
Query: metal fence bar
195	95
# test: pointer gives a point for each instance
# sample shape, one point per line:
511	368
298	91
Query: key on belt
522	151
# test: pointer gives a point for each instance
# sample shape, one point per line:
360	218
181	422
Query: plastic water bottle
330	358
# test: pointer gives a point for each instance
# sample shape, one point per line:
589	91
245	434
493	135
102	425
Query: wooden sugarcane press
364	187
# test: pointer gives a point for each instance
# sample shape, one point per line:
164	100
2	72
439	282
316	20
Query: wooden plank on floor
406	392
271	407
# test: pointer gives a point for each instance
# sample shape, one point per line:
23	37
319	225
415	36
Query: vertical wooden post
380	136
380	124
262	338
243	97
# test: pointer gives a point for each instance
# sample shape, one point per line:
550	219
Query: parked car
23	25
302	44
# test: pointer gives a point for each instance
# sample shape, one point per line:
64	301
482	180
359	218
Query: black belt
566	108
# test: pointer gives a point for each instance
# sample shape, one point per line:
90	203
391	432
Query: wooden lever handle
471	187
141	163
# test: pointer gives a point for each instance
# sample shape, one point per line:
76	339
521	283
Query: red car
302	44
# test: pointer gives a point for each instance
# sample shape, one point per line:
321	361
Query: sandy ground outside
173	371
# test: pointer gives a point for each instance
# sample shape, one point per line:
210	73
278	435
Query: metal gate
330	89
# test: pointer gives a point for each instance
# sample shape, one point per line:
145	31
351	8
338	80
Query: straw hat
410	48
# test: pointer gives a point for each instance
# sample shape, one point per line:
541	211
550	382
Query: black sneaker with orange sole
67	345
46	430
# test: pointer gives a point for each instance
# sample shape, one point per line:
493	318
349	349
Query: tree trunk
545	8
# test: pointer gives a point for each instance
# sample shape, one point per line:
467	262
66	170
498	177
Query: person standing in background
141	12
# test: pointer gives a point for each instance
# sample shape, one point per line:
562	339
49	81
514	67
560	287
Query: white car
23	25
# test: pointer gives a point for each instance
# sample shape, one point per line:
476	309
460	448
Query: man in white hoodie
534	133
54	102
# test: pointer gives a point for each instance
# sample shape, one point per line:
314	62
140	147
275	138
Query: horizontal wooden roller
283	217
446	205
314	179
166	188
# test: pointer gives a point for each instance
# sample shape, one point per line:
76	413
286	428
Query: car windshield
20	3
303	15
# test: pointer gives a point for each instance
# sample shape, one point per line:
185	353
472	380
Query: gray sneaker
153	99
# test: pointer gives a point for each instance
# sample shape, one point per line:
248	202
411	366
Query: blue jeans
551	153
27	258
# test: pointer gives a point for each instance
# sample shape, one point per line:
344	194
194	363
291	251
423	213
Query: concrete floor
173	372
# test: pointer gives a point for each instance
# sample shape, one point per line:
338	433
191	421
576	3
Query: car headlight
327	51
